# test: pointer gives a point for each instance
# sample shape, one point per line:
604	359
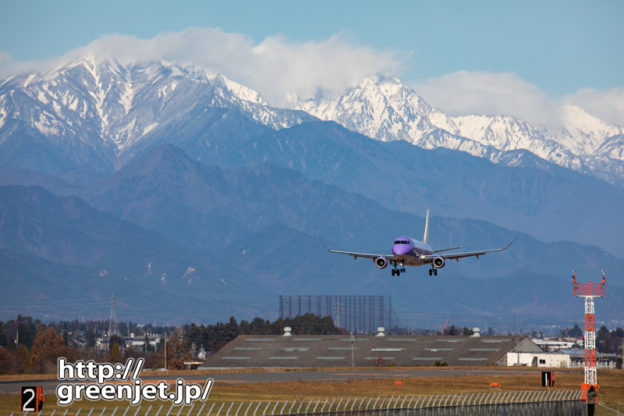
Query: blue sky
560	47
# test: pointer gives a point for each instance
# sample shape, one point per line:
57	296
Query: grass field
611	388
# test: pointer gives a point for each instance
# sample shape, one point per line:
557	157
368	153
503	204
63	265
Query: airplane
409	252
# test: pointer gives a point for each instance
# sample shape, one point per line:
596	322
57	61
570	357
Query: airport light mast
589	291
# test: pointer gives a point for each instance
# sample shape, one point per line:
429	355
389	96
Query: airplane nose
401	249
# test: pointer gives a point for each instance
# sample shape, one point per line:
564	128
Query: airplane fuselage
408	251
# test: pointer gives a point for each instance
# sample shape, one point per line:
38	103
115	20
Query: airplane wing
447	249
457	256
389	257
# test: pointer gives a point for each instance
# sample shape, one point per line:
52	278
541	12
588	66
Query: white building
538	359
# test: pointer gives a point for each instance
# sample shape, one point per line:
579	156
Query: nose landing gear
397	272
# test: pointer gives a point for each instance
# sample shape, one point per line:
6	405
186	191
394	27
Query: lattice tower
589	291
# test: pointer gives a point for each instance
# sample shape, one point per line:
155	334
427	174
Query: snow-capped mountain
102	106
94	114
381	108
386	109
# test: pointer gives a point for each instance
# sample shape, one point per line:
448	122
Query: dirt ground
611	392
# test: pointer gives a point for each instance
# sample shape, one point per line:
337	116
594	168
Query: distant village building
603	360
138	343
550	345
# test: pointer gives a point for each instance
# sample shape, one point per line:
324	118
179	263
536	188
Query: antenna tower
589	291
112	325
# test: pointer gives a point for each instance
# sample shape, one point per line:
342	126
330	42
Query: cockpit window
401	242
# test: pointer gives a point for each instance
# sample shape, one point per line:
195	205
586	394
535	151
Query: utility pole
112	325
165	348
352	339
17	333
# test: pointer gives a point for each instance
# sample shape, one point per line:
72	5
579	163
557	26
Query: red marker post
32	399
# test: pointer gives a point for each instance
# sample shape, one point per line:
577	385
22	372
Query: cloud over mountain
284	71
607	105
279	68
475	92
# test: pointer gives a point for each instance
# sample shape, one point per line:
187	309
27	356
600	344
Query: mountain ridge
105	109
256	197
220	122
97	111
46	237
278	256
541	197
386	109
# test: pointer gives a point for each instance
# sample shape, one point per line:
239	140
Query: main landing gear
397	272
433	271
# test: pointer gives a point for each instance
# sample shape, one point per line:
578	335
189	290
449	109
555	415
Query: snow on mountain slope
121	104
382	108
509	133
385	109
106	109
582	132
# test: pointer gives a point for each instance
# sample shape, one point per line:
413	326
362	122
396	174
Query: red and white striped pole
589	291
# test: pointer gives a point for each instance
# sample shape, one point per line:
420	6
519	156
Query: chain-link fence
559	402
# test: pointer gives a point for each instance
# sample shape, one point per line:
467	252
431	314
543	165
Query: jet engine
439	262
381	262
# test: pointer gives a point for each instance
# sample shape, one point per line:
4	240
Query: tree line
28	345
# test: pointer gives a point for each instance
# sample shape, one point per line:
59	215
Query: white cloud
5	60
464	92
8	66
608	105
282	70
278	68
